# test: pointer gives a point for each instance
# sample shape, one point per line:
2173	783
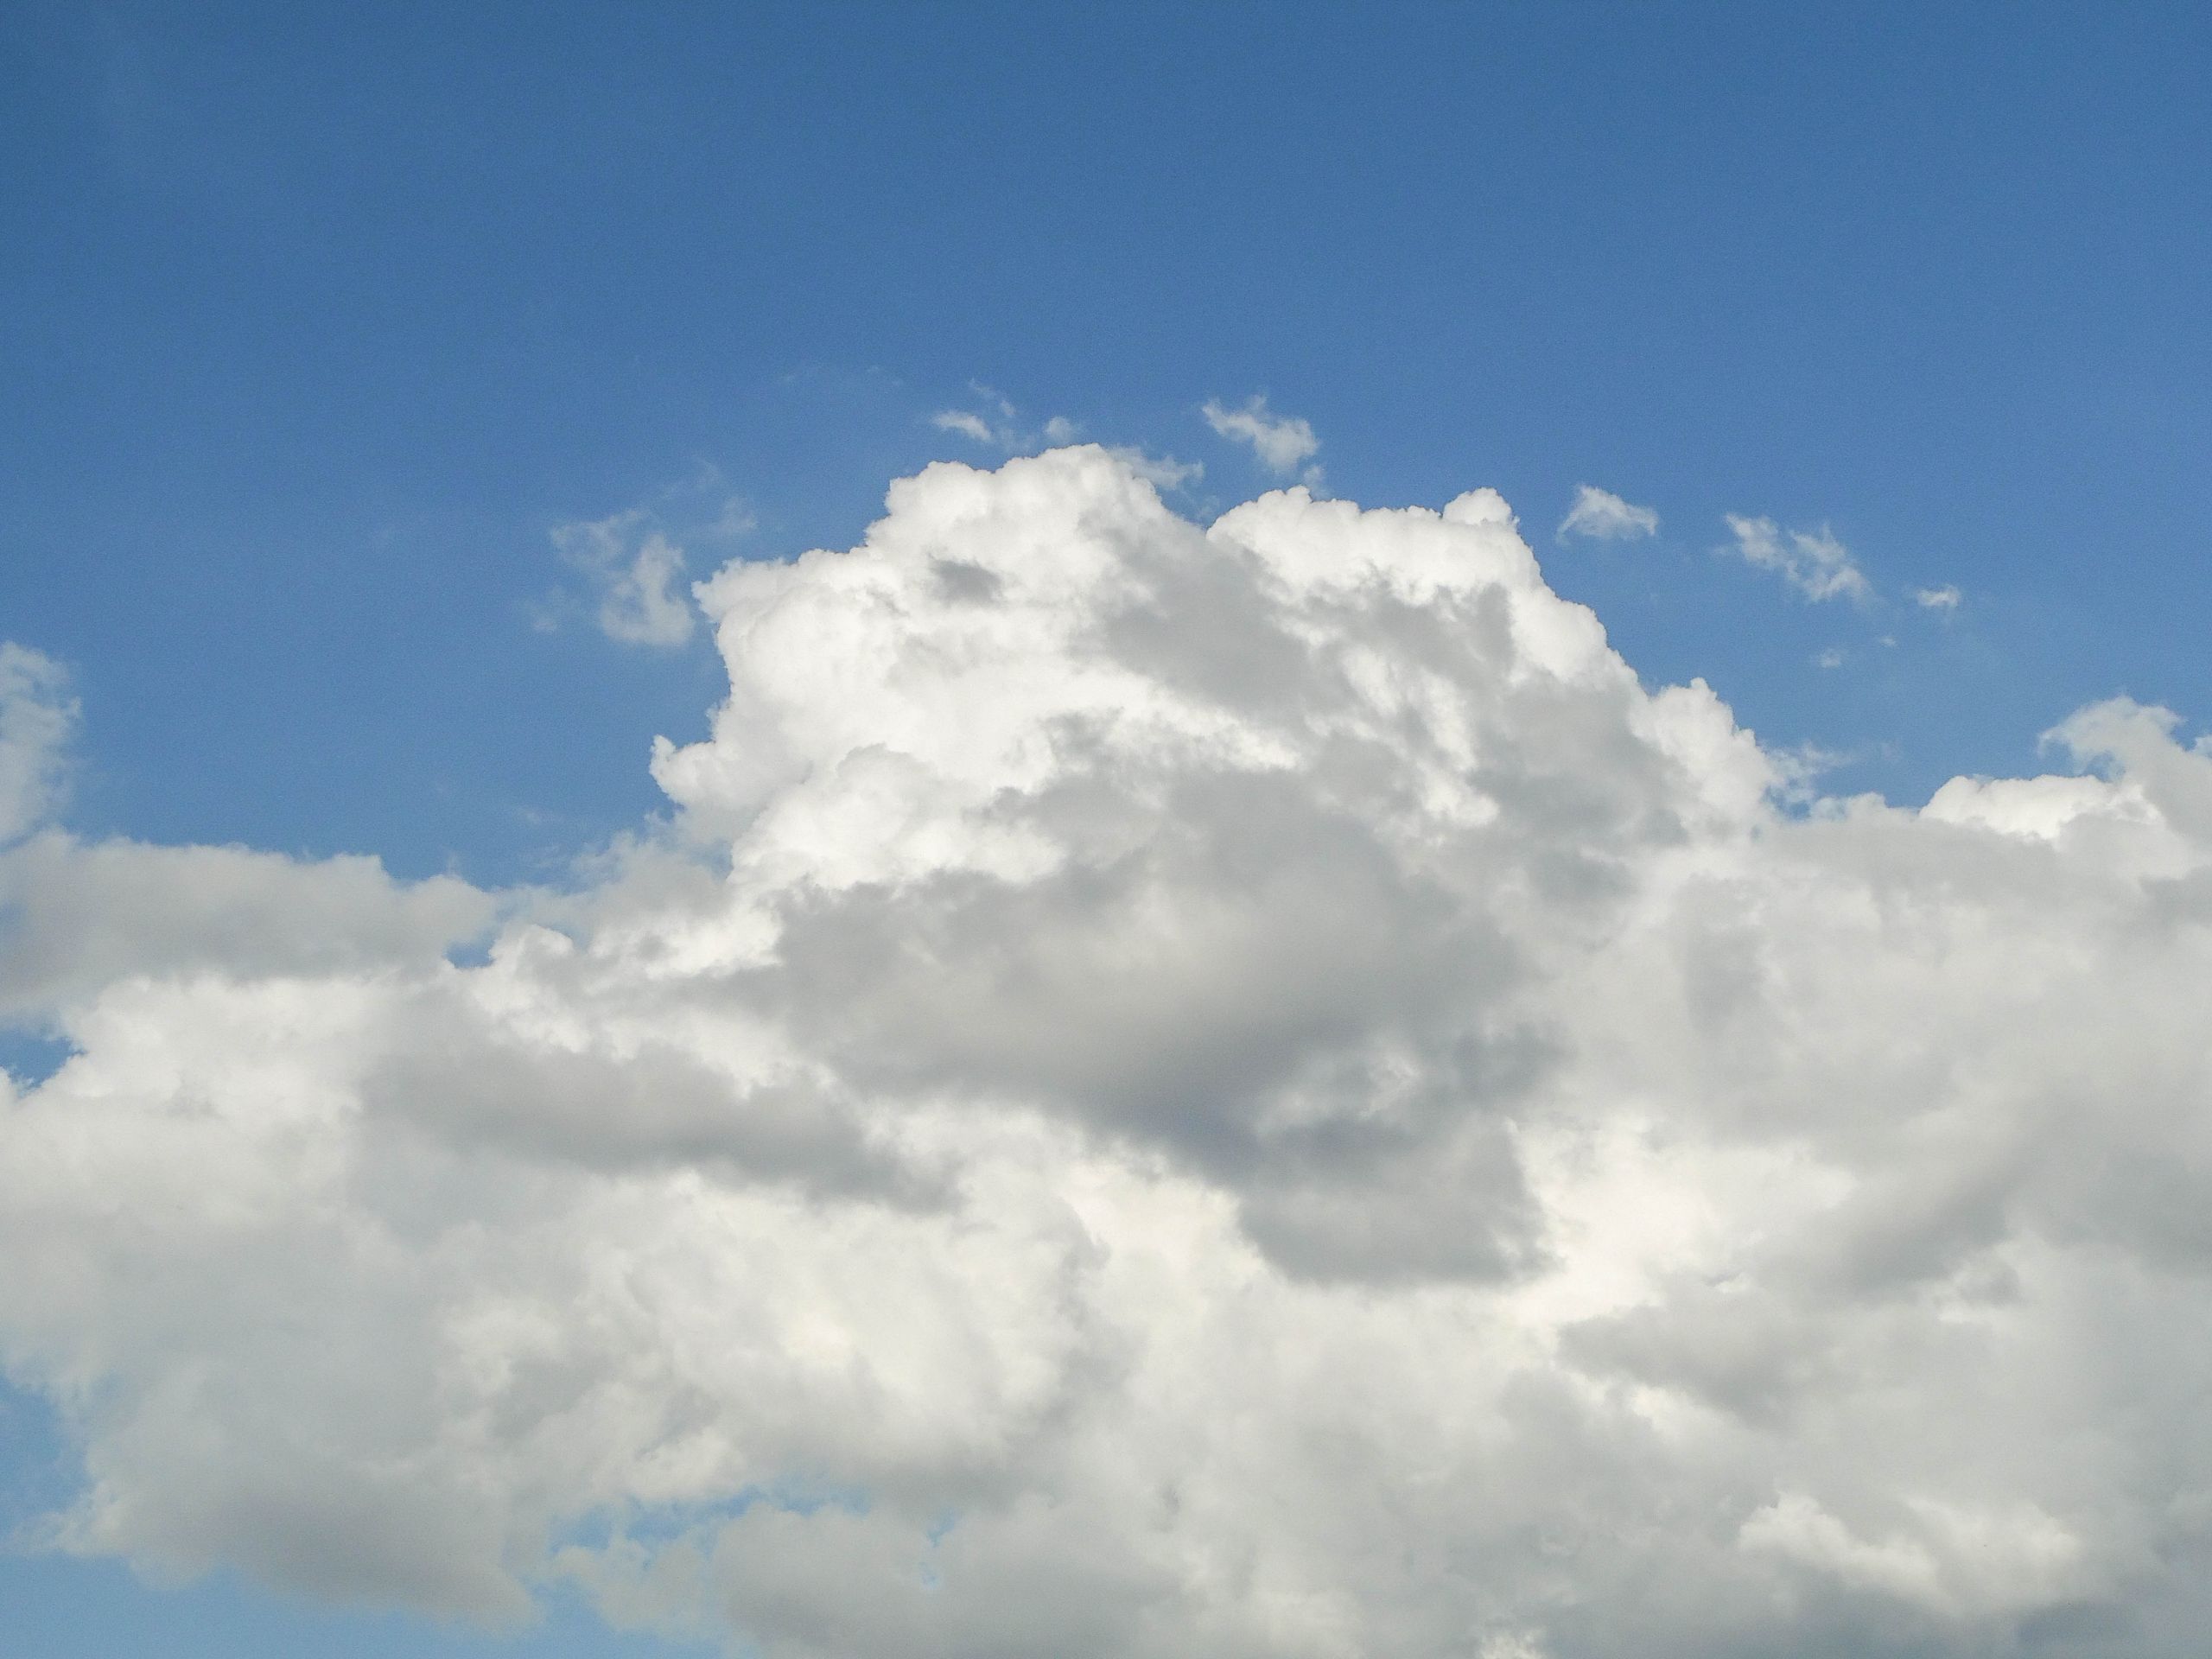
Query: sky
559	1111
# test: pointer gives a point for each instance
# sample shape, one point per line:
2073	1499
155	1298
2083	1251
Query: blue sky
315	324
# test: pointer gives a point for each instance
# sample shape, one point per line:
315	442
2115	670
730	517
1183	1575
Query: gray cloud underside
1243	1090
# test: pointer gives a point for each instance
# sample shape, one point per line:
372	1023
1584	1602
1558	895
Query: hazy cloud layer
1602	516
1243	1090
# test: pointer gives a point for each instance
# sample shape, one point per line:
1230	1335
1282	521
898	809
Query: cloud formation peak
1243	1089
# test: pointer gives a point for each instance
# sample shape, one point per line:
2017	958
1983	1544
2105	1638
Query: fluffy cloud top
1602	516
1243	1090
1811	560
1282	442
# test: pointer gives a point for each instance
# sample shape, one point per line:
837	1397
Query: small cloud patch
1604	516
1812	561
1282	442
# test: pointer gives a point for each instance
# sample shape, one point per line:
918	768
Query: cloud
634	560
638	572
1937	598
1010	437
1243	1089
37	716
1813	562
1602	516
967	423
1280	441
1161	472
998	429
1001	427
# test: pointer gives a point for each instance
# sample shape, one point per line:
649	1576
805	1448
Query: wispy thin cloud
37	717
1812	561
967	422
998	424
1282	442
995	422
1604	516
635	562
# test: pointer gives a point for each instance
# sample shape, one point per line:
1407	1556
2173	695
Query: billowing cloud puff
1244	1091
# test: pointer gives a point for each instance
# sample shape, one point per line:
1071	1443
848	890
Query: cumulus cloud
1811	560
1602	516
1282	442
1242	1089
1945	598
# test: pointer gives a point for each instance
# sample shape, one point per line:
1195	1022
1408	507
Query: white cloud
37	716
1813	562
1010	437
1605	517
1161	472
1000	425
1282	442
638	573
634	560
1243	1089
1937	598
966	422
